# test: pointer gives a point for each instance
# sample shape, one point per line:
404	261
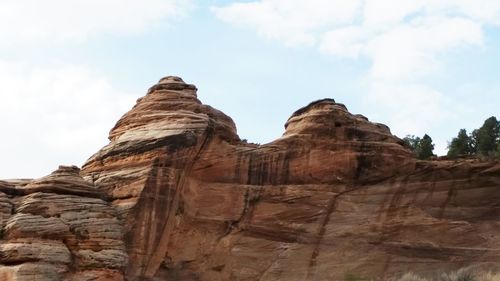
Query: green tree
473	141
487	136
460	145
412	142
422	147
426	148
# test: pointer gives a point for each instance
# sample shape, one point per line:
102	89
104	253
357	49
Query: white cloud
26	21
291	21
404	40
55	115
386	12
416	107
410	50
344	42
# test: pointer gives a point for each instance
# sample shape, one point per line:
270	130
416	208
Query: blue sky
70	69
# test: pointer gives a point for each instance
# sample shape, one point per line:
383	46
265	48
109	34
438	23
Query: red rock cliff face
335	194
183	198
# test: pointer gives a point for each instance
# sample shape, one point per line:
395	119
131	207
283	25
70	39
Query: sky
70	68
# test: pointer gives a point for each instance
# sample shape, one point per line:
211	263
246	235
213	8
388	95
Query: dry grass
464	274
411	277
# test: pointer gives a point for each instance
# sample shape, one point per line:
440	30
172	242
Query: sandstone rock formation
59	227
176	195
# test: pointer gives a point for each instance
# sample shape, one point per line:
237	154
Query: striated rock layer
59	227
176	195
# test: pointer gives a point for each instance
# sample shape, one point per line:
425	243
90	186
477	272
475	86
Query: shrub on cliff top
487	136
426	148
422	147
460	145
483	142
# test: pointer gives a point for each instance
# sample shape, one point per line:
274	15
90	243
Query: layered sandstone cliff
176	195
59	227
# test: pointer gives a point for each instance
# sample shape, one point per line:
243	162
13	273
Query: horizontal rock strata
59	228
336	194
176	195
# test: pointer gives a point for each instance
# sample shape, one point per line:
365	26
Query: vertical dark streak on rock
265	165
274	177
250	172
144	219
285	169
322	229
186	167
451	194
237	168
332	204
388	230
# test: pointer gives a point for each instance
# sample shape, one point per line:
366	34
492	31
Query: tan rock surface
176	195
58	228
336	194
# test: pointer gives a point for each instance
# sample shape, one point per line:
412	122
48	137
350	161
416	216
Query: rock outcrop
176	195
59	227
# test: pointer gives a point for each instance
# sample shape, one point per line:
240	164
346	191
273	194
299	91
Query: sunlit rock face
176	195
336	194
59	227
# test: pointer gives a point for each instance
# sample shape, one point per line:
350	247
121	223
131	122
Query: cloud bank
27	21
61	112
403	40
57	115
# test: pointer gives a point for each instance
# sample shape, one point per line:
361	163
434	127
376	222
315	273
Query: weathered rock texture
176	195
59	227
